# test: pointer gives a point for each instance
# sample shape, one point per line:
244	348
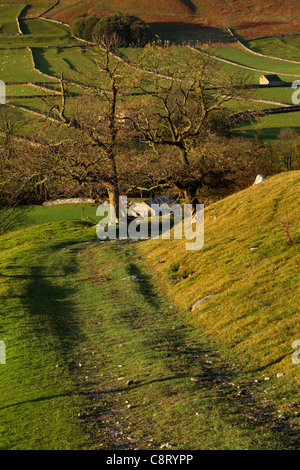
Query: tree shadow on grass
195	33
41	63
37	400
190	5
144	285
48	298
185	357
272	363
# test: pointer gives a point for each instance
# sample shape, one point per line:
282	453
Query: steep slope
249	260
251	18
102	362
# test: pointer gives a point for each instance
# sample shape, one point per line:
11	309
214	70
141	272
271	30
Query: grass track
255	316
76	333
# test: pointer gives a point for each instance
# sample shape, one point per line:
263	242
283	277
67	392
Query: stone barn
271	80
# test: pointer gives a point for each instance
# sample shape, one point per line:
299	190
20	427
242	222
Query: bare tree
178	118
99	121
288	147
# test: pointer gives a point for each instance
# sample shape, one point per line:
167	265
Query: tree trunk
190	197
183	155
113	196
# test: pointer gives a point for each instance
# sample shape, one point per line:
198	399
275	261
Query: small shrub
82	26
130	30
77	26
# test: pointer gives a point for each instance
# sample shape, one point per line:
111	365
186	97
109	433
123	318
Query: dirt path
151	380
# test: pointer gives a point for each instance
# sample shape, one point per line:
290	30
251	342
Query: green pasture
8	18
79	64
16	66
38	215
24	90
286	47
242	57
268	127
76	63
46	32
28	125
281	95
36	104
39	32
35	8
247	105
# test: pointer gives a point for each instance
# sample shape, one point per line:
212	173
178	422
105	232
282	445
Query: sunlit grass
248	262
76	333
8	18
286	47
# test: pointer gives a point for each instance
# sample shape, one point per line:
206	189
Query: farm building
140	209
144	208
165	201
272	80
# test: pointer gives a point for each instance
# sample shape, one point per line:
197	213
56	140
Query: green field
16	66
78	64
281	95
39	215
46	32
268	127
39	32
25	90
286	47
75	63
242	57
8	18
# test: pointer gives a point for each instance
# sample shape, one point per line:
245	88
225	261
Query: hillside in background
251	18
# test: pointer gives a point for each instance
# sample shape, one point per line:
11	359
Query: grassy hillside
269	127
102	363
252	19
287	47
8	19
247	261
